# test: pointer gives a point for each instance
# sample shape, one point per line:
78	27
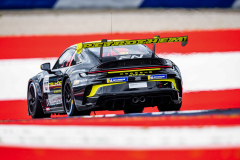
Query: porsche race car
107	75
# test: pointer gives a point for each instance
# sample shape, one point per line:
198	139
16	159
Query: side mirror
45	66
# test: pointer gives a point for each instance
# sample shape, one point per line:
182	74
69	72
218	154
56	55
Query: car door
53	82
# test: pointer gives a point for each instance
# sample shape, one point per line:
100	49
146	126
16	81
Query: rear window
121	50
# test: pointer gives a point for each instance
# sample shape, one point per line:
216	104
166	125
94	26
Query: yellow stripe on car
96	87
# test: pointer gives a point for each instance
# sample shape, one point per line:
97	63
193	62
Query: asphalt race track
206	127
198	134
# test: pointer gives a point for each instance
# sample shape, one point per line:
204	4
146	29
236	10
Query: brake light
124	69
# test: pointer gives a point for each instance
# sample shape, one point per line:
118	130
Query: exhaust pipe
135	99
142	99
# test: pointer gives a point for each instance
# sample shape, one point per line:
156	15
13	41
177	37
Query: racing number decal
46	84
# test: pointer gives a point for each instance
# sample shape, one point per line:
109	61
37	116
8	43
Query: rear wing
105	43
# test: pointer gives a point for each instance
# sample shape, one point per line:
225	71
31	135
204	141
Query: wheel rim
67	97
31	99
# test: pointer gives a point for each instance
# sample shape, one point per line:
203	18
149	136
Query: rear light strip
129	69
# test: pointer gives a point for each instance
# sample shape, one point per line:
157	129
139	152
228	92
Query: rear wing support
101	49
154	46
184	43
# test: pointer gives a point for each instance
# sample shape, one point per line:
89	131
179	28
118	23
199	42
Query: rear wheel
68	101
169	107
134	110
34	105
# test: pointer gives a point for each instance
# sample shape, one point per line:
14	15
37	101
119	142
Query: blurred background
33	32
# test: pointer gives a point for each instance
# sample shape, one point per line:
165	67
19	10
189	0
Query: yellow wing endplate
80	46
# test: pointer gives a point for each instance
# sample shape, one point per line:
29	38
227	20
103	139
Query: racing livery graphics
161	76
121	79
107	75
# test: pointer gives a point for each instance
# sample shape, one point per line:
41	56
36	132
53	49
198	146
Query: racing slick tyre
169	107
134	110
68	101
34	105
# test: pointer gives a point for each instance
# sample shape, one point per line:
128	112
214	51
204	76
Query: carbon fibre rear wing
156	39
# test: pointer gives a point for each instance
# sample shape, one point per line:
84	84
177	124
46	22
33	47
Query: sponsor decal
58	91
58	83
120	79
52	102
130	56
160	76
80	46
46	84
76	82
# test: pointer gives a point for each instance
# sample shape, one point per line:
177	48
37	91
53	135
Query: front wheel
34	105
169	107
68	101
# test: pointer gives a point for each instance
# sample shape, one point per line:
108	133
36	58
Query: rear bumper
124	101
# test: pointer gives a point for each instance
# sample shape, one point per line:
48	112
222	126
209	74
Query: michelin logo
160	76
122	79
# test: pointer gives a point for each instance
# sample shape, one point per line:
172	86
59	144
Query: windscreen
121	50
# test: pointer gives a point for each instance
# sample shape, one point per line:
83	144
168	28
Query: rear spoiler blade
156	39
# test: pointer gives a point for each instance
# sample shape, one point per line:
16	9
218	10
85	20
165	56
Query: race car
107	75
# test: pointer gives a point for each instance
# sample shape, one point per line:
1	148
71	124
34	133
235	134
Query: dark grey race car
125	77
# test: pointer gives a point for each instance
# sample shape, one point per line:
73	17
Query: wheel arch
71	77
37	86
38	90
63	83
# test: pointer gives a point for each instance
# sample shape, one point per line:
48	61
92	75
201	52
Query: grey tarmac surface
35	22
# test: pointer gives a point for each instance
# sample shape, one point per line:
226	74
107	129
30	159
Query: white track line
95	137
213	71
15	75
206	71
